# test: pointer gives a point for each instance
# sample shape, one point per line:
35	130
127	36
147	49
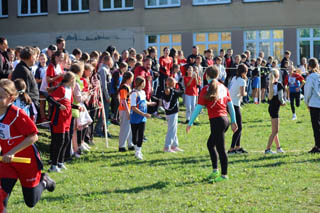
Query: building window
162	41
73	6
161	3
108	5
258	0
214	41
205	2
308	43
32	7
268	41
3	8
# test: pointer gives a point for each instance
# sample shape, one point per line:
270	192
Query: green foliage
108	181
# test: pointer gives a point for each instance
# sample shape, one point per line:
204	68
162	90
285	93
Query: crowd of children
64	90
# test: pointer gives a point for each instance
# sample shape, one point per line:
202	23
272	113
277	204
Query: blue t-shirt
294	82
138	99
22	105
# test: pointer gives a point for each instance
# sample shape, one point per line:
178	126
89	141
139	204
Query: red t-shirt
141	71
52	72
216	108
210	62
228	62
192	89
85	85
166	65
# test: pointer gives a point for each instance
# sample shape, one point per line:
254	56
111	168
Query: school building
271	26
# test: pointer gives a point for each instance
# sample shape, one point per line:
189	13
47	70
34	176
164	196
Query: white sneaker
177	149
61	166
269	151
83	148
86	145
279	150
168	150
77	155
54	168
294	117
139	155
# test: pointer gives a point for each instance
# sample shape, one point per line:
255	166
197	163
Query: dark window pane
129	3
152	2
4	7
152	39
117	3
304	49
24	6
74	5
34	6
44	6
64	5
107	4
85	4
316	49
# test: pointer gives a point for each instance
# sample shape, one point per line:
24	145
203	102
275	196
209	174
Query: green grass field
107	181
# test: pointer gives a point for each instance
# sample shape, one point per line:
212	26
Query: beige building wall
97	30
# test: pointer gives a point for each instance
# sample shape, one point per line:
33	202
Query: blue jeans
99	125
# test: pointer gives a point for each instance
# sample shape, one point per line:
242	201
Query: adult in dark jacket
23	71
5	68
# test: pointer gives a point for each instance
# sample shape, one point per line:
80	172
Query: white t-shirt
235	94
133	97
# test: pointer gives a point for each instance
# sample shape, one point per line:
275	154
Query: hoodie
312	90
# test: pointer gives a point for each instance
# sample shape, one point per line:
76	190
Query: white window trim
194	2
162	6
271	40
1	12
69	8
311	39
29	9
254	1
207	42
112	6
158	44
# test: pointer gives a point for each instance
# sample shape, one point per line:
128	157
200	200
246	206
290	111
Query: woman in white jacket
312	99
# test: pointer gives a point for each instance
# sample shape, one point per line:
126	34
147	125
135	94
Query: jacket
312	90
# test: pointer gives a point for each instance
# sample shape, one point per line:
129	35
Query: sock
138	149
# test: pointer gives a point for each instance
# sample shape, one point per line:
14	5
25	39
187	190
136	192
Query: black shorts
274	107
264	83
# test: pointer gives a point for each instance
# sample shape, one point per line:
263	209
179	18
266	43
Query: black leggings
31	195
315	120
215	143
59	143
294	96
138	133
237	135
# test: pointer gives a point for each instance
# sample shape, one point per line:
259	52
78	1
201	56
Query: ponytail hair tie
21	92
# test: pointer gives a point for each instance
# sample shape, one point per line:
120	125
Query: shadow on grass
270	165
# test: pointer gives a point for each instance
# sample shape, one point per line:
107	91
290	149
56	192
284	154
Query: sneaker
139	155
122	149
156	115
86	145
213	176
168	150
61	166
54	168
241	151
221	178
83	148
176	149
294	117
269	151
131	148
232	152
280	150
77	155
50	184
314	150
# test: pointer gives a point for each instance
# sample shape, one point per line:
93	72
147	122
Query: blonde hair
274	73
212	72
9	87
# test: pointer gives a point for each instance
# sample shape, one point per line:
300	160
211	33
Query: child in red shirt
55	69
216	98
191	83
18	141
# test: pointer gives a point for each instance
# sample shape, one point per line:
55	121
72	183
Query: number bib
4	131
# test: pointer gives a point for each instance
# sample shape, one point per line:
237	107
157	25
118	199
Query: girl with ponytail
276	100
23	100
215	97
312	99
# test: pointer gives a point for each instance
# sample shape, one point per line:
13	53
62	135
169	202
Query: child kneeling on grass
170	102
139	115
215	97
18	141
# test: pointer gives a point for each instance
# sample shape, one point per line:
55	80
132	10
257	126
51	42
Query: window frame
115	9
220	42
29	9
158	44
69	8
1	10
161	6
259	1
257	41
311	39
194	3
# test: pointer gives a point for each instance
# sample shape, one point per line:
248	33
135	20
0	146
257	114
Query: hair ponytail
21	88
313	65
212	73
273	74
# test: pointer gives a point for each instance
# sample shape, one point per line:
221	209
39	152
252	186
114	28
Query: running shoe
280	150
176	149
241	151
221	178
269	151
50	184
213	176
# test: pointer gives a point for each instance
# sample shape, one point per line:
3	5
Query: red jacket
141	71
